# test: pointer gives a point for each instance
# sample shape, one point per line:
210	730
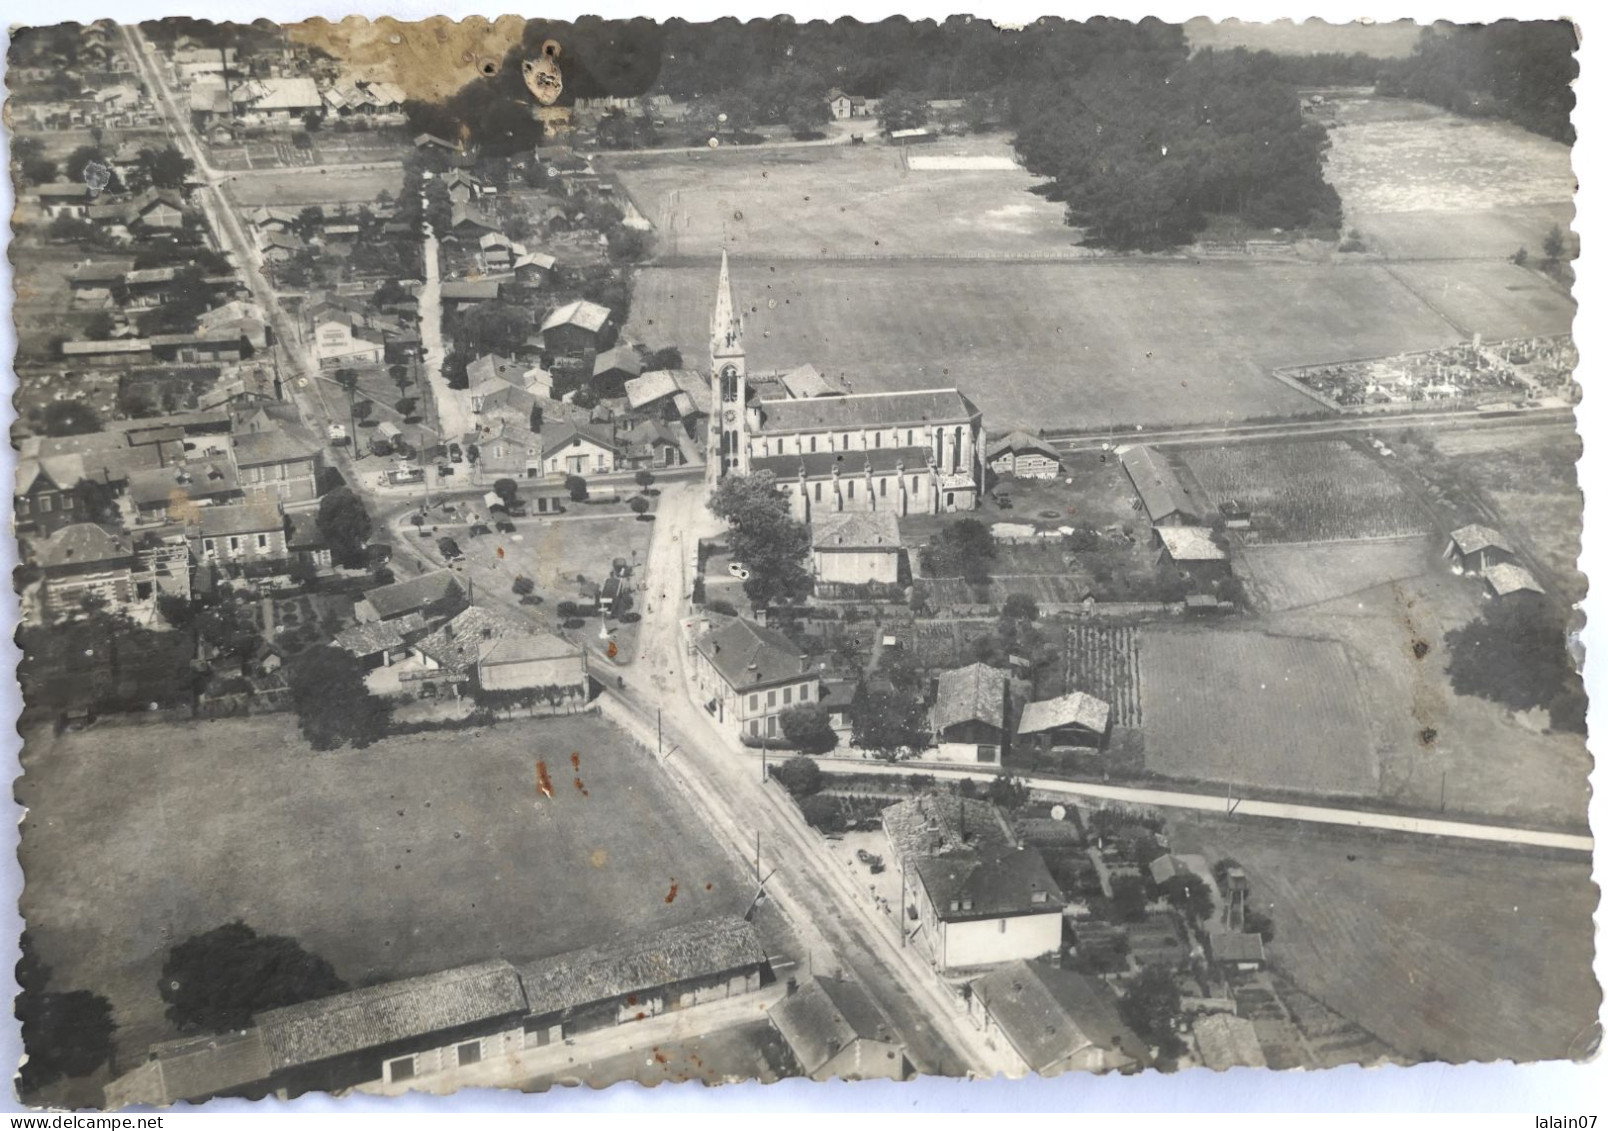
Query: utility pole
660	744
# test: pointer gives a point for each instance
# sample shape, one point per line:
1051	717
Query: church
918	452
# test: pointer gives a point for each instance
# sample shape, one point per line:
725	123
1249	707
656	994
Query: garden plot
1311	491
1100	659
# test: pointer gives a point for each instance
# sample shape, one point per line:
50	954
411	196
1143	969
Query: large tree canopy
64	1033
344	523
769	542
222	979
1516	653
333	704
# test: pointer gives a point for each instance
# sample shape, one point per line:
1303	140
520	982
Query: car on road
449	549
455	453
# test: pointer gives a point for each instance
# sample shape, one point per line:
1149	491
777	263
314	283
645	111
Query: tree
1191	895
964	548
644	479
347	378
344	524
1516	653
772	545
1128	897
389	293
70	418
536	417
166	168
1552	246
99	327
902	110
1521	257
333	704
64	1033
808	728
890	724
188	297
799	776
507	490
1007	791
79	159
576	486
667	358
523	586
220	980
1020	606
1151	1007
640	505
39	171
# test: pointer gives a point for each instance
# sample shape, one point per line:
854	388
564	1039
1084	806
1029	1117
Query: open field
1278	712
841	200
1494	299
1104	341
1528	476
1495	234
357	185
1285	577
1305	37
1436	749
1443	950
417	854
1396	155
1309	491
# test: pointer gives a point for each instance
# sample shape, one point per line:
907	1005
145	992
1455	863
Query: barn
1023	455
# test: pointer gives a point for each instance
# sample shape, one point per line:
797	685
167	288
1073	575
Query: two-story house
282	462
748	674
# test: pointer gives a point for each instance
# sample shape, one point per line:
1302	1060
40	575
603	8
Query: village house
856	548
179	491
283	462
1077	720
467	292
339	339
1056	1020
246	537
981	898
837	1031
85	562
468	223
437	596
1023	455
971	715
612	368
379	644
748	674
841	105
306	545
97	284
576	327
653	444
570	448
44	500
532	268
1506	579
64	199
508	450
276	101
670	394
280	247
1165	499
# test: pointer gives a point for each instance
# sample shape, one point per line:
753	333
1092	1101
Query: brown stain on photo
430	59
543	782
674	887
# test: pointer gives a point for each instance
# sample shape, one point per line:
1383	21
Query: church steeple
726	326
728	371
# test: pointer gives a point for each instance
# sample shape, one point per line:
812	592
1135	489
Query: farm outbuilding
1226	1041
1162	494
1023	455
1239	950
969	717
1078	719
1505	579
1475	549
1194	550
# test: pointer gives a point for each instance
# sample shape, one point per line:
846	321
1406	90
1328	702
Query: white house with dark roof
856	548
85	561
247	535
282	462
1056	1020
747	675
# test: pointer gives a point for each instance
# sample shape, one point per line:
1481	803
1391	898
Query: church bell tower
728	420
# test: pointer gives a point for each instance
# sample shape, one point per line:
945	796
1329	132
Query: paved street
453	417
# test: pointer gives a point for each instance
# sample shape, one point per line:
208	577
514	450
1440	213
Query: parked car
478	529
504	526
455	453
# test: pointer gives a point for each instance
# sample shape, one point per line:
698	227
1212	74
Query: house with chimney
981	897
747	674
